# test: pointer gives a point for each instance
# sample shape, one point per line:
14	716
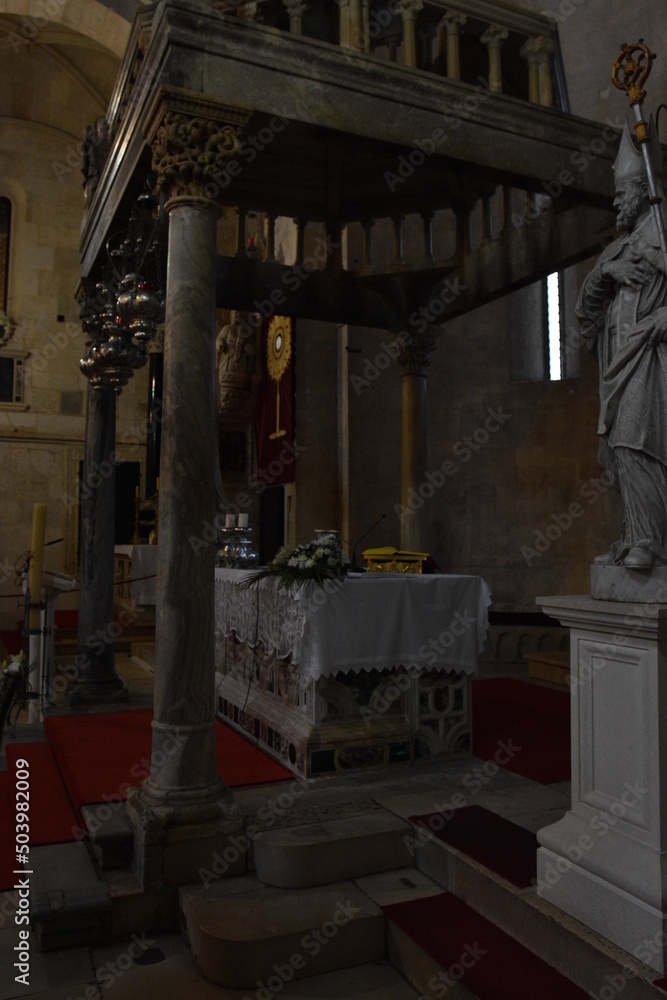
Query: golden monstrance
278	354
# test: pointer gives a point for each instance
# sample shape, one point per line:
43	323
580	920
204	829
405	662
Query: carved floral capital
192	139
413	351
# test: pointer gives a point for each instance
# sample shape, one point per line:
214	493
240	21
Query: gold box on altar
391	560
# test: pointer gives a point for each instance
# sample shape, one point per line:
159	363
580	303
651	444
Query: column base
108	692
617	915
178	833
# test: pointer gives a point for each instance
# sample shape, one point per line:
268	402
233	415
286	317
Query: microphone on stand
360	569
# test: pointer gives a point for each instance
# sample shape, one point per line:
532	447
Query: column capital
453	21
410	8
494	36
413	350
537	50
295	8
192	138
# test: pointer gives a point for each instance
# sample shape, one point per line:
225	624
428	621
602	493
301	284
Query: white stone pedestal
605	862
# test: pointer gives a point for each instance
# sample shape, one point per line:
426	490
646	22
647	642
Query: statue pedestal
605	862
636	586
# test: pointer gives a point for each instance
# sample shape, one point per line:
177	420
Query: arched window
5	232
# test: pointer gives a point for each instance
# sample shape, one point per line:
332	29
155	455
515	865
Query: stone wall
44	112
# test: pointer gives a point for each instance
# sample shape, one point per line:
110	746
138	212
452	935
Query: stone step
586	958
374	981
333	850
244	935
110	834
69	903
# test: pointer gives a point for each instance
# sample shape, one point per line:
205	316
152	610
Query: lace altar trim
262	614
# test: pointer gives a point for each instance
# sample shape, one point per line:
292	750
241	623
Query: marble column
493	38
538	52
96	681
155	350
413	353
184	812
452	23
409	11
296	9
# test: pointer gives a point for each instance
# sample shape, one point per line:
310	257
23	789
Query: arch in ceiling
94	21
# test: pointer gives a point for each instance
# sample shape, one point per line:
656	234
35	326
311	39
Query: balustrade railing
505	49
439	237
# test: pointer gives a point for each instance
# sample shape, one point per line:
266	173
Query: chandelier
123	316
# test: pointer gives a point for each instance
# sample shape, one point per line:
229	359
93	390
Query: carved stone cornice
413	350
192	138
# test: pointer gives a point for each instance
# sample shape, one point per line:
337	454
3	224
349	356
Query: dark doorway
128	476
271	522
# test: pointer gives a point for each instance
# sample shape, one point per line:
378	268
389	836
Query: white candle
243	520
36	560
229	521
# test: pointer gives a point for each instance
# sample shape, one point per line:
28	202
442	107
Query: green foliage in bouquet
316	561
10	681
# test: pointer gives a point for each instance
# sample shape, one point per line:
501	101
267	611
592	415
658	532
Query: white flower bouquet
10	681
316	561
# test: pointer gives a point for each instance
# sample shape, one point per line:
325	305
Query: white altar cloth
144	569
369	621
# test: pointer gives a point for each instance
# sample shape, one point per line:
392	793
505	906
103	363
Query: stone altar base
353	721
311	749
605	862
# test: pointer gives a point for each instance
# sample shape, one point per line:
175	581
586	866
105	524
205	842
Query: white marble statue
623	312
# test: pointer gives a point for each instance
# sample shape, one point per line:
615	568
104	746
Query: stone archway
94	21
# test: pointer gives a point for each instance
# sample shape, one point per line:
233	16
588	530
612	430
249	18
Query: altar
135	570
370	670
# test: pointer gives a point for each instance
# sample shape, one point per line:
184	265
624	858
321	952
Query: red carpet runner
533	719
50	816
95	758
475	952
7	843
498	844
101	755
